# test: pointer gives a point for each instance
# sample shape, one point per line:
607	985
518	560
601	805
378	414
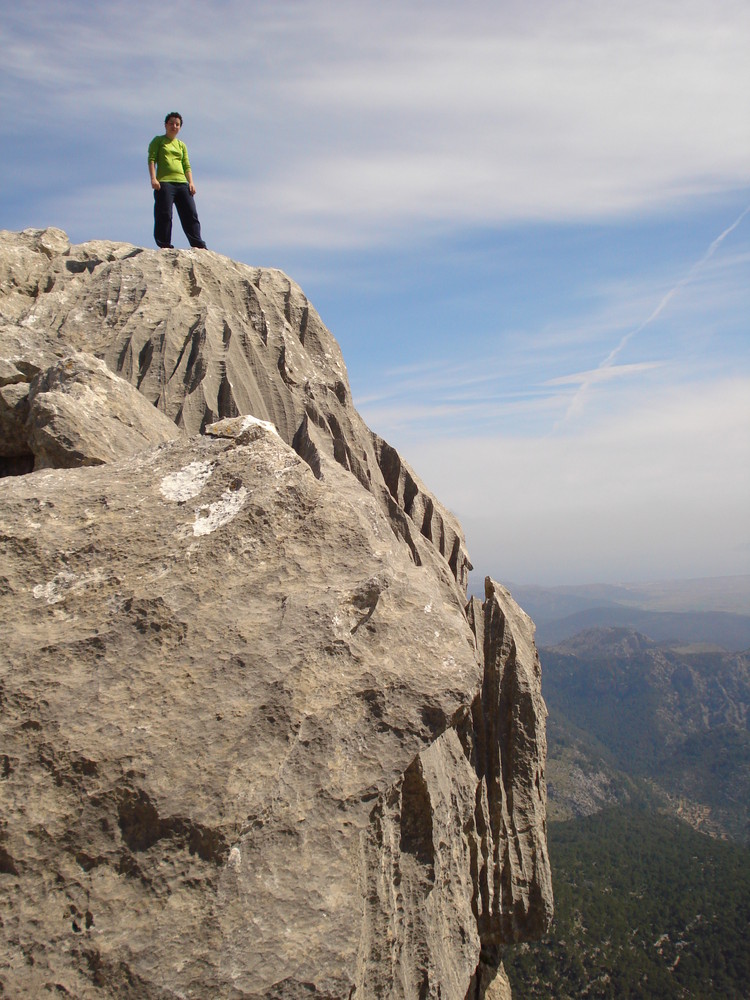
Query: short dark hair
173	114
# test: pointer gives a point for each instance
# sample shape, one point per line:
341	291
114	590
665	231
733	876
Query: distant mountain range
712	612
628	713
648	751
719	593
695	628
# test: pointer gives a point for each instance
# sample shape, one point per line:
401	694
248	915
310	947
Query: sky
525	223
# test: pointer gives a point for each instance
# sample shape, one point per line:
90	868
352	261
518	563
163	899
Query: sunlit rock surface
254	744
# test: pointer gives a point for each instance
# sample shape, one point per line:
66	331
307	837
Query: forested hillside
646	907
630	716
649	753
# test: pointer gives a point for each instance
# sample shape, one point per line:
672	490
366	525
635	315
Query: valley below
649	783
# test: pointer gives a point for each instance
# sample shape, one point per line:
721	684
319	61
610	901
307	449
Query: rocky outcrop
202	338
79	413
462	836
253	742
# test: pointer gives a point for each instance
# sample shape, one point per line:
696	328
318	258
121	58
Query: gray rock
76	412
460	840
24	354
253	742
203	337
80	413
14	411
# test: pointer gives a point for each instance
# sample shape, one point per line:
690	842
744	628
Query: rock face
254	743
203	337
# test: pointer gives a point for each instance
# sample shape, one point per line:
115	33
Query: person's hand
191	188
156	185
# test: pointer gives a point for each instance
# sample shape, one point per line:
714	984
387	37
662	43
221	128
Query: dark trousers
170	194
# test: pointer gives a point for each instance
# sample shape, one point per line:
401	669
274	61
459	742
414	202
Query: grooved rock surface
203	337
253	743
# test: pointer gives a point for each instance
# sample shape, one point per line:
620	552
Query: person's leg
188	214
163	201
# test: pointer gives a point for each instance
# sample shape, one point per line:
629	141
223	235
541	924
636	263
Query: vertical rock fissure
416	820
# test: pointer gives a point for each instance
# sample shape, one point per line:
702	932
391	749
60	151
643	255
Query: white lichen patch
65	583
187	483
251	421
237	428
221	512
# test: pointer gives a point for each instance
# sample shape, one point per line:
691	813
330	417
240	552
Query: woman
172	181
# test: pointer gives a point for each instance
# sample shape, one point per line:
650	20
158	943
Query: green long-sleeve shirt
170	157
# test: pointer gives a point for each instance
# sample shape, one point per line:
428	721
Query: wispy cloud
340	125
605	369
607	374
531	378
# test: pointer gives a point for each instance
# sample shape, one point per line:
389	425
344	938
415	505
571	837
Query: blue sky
522	221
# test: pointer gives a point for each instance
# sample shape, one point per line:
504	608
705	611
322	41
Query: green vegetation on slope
626	710
645	907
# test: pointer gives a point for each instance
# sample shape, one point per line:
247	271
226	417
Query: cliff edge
254	741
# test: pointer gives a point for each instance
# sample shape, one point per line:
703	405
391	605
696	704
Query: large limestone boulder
253	742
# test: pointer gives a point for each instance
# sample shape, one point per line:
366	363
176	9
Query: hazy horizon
727	594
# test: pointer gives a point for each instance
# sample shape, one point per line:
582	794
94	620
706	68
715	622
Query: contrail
577	400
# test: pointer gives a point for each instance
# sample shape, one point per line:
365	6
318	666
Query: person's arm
186	168
153	154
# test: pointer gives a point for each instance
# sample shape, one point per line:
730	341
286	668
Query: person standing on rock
172	181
